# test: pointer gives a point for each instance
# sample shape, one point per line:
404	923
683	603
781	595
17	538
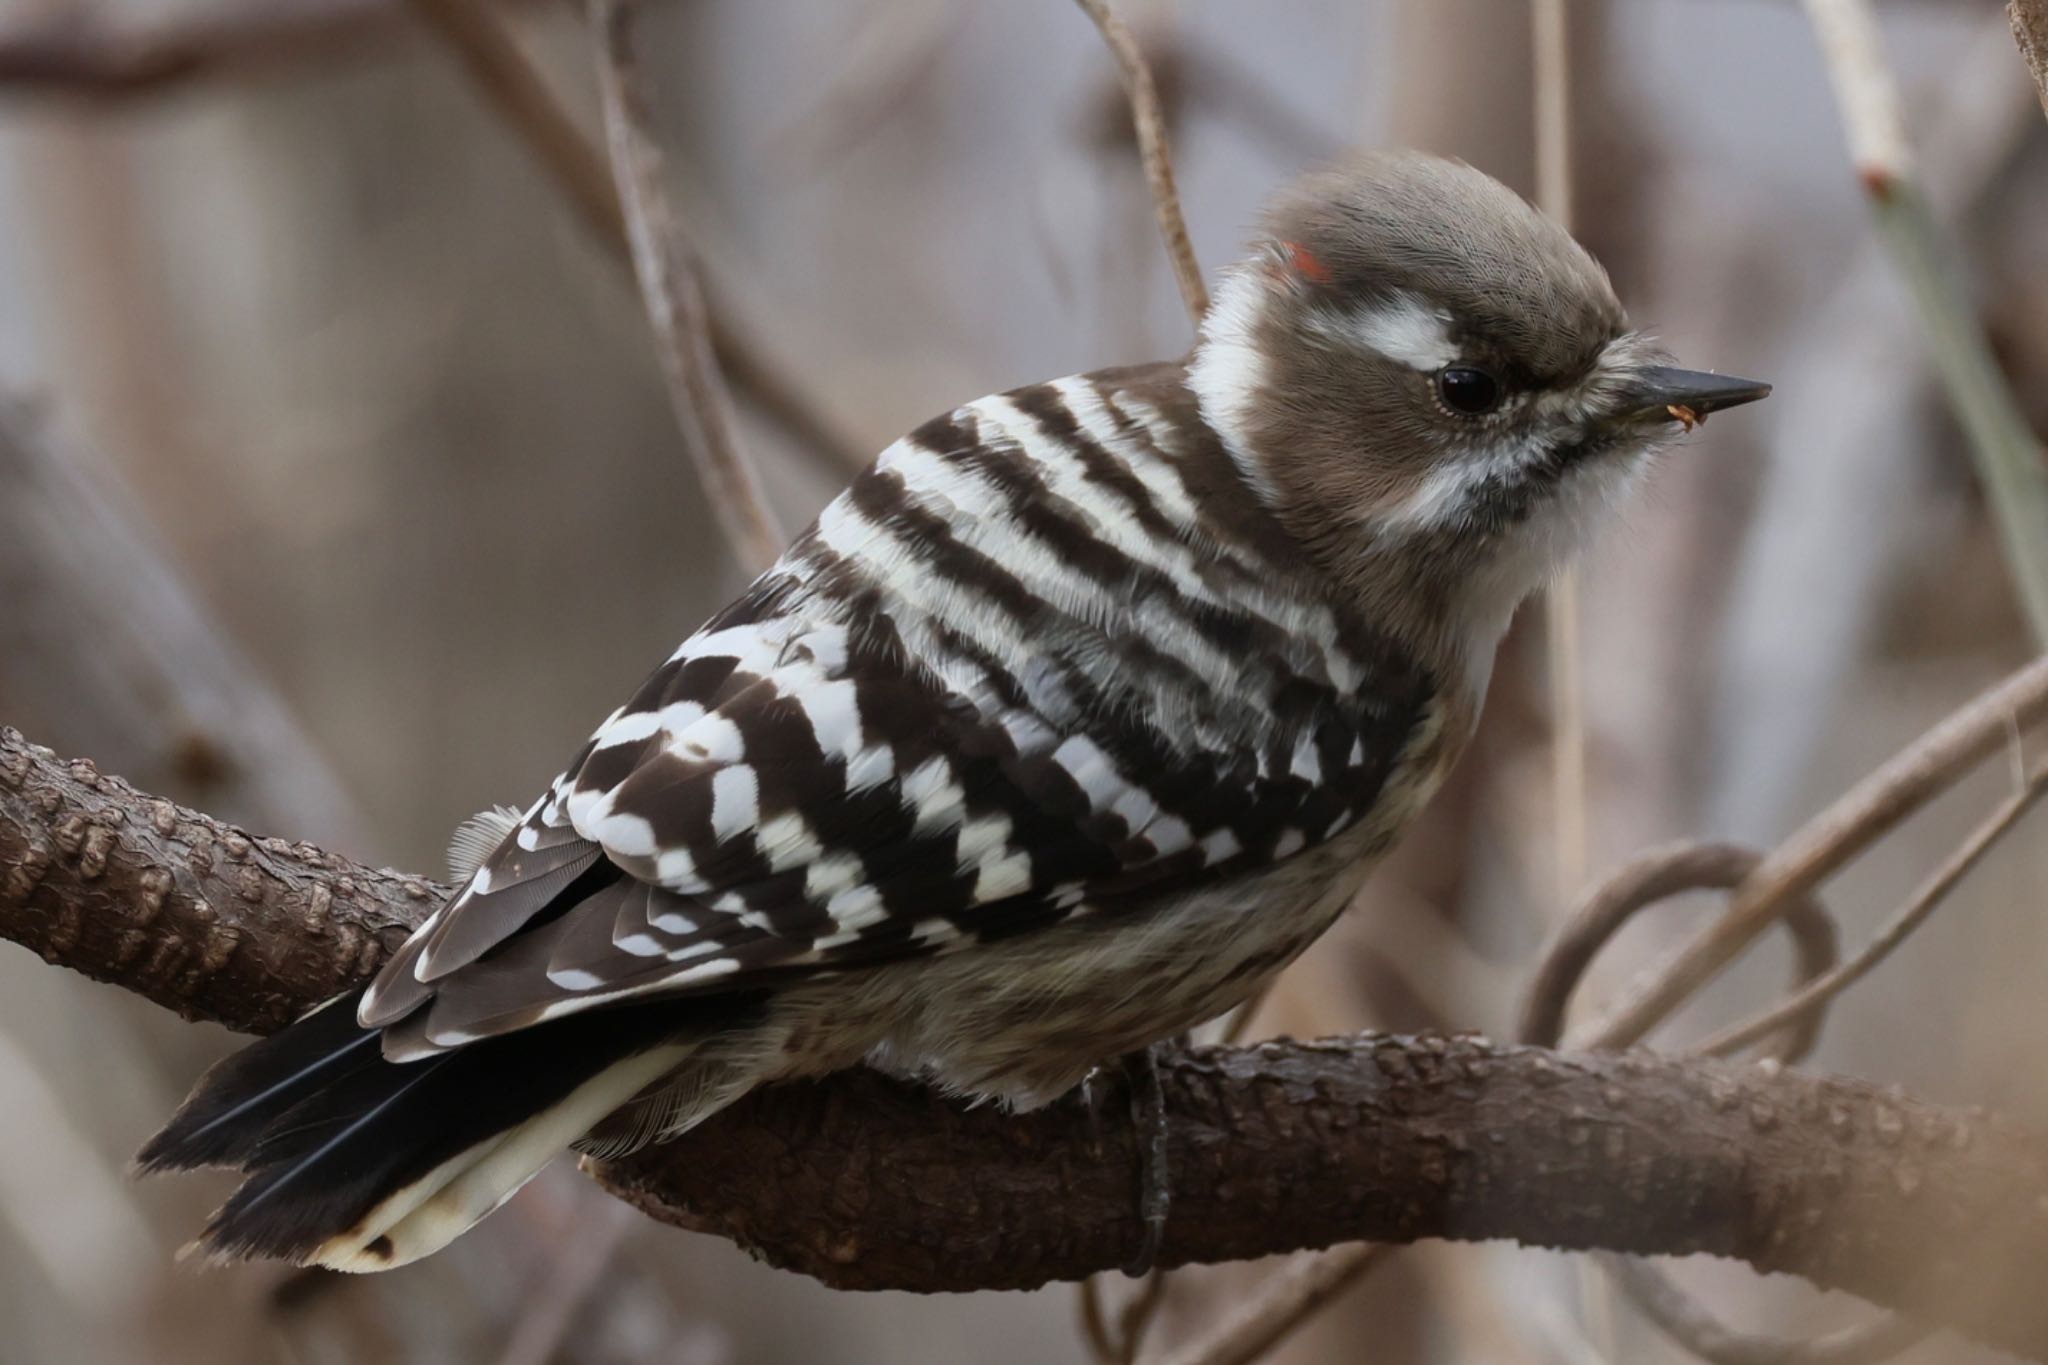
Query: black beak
1689	395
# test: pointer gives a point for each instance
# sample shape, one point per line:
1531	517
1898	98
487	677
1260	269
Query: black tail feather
235	1102
327	1129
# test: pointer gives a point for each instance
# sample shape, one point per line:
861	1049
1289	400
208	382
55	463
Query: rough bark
870	1183
2030	30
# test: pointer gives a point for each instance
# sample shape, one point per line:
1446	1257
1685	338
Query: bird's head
1434	387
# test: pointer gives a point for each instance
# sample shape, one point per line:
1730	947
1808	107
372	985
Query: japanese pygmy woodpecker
1078	716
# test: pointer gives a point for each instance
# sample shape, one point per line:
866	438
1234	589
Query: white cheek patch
1406	329
1443	498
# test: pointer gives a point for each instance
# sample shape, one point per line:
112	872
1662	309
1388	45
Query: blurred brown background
314	338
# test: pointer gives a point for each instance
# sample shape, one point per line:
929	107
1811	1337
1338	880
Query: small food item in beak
1685	416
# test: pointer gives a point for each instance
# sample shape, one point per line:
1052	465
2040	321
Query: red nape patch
1305	263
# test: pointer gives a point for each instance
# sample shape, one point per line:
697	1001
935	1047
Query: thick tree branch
867	1182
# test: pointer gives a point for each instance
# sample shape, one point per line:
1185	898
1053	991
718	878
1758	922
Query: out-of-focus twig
516	90
667	268
1564	649
1150	123
100	631
1646	881
1682	1319
1550	37
1817	992
1119	1344
1831	509
1287	1298
1911	778
2007	453
71	54
2030	30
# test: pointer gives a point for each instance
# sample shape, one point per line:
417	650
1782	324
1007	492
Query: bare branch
868	1182
1150	123
2030	31
668	272
1806	1002
1910	779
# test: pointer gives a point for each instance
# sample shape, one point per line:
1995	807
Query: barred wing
969	704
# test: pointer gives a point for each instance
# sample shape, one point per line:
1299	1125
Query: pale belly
1025	1019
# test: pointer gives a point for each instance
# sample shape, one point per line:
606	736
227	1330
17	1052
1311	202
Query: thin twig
2030	31
1289	1297
2007	454
1910	916
515	88
668	272
1571	809
1911	778
1679	1317
1150	123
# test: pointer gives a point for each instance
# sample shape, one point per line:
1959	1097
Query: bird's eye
1466	389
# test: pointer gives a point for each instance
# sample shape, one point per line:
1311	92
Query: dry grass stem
2007	453
1864	89
1150	122
668	273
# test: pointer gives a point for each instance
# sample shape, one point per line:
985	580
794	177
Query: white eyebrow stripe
1405	329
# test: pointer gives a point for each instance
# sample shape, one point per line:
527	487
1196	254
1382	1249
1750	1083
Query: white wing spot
1090	768
786	841
871	767
1002	877
735	801
1220	846
834	712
